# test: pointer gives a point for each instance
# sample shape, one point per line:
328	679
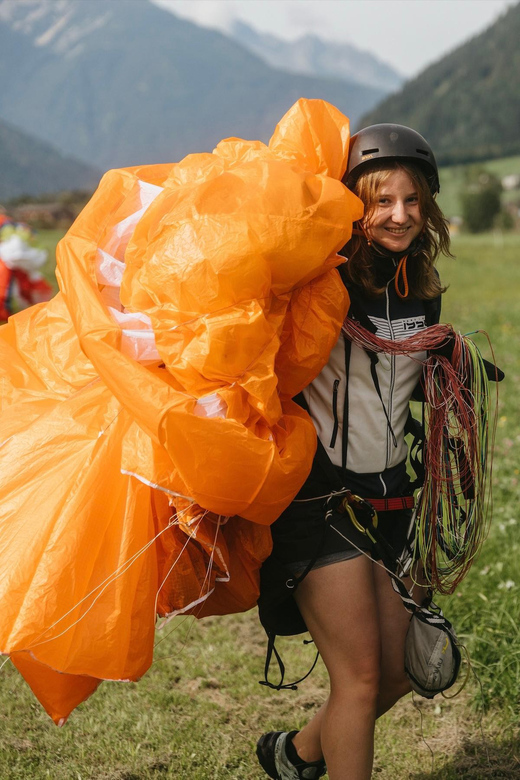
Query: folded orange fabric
147	432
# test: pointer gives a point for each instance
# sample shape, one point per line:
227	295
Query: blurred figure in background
21	282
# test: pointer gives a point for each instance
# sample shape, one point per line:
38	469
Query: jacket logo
415	324
400	328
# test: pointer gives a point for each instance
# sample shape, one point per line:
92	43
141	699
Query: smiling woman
359	405
393	170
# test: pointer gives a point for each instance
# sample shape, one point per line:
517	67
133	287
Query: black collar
380	252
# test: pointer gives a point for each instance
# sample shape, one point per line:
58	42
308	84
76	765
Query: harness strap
429	614
281	686
391	504
416	430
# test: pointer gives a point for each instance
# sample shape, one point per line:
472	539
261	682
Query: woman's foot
275	751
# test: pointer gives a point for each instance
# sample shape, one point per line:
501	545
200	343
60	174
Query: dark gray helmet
390	142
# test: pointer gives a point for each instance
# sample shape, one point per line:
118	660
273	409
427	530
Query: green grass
485	293
452	180
197	713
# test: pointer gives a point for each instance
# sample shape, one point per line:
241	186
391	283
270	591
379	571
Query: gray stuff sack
432	655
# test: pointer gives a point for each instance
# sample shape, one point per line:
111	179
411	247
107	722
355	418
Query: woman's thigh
339	605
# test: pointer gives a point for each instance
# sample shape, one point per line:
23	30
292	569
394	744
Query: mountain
467	105
313	56
30	166
124	82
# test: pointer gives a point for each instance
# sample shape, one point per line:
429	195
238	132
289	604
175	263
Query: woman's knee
356	679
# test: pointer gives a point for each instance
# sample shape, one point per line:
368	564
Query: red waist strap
390	504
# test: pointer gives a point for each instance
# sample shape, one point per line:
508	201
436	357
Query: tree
481	200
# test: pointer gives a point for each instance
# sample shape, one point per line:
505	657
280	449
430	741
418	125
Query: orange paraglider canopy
147	436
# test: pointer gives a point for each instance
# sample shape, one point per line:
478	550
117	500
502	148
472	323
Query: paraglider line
155	486
194	533
103	585
201	598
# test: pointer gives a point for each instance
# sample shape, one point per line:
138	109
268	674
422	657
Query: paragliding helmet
390	142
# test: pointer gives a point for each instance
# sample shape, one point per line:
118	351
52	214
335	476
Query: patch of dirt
460	742
21	744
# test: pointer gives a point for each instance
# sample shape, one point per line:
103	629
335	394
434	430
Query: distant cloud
303	17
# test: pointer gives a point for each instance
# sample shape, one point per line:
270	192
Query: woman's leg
339	605
393	625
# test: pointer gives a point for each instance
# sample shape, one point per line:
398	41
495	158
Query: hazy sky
408	34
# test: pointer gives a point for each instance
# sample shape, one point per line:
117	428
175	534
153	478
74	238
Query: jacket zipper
392	383
335	413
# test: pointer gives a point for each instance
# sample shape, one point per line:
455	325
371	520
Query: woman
360	405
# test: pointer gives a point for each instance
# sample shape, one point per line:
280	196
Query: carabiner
347	505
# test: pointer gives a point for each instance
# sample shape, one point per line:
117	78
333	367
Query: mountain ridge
311	55
117	84
32	167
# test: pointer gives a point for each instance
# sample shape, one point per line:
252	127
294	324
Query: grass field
199	710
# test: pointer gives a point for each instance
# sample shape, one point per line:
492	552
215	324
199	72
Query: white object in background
17	254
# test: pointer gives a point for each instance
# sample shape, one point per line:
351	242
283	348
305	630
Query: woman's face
396	219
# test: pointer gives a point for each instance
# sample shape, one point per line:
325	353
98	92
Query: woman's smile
396	219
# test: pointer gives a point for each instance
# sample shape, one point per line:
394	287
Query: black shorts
301	533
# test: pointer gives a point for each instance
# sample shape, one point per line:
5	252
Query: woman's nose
399	213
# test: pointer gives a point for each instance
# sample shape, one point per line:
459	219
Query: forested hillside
467	104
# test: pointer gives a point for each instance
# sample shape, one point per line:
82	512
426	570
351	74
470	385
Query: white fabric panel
140	345
148	193
145	194
137	336
211	406
131	320
108	269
